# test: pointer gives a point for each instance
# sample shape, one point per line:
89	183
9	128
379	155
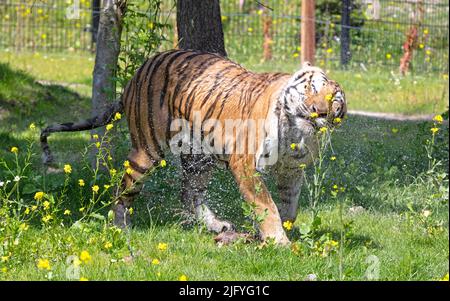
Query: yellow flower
438	118
108	245
163	163
250	29
47	218
388	56
434	130
84	279
337	120
95	136
24	227
130	210
109	158
314	115
43	36
85	257
95	188
425	31
288	225
33	208
113	172
67	168
43	264
302	166
293	146
155	261
329	97
329	50
14	150
129	171
106	186
334	243
333	158
428	52
38	195
109	126
126	163
394	130
162	246
4	269
97	144
117	116
32	126
323	129
81	209
421	46
224	18
335	187
46	205
67	212
27	211
81	182
4	258
445	278
183	278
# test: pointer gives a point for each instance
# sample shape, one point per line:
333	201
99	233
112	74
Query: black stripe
166	76
137	111
232	89
217	82
134	141
150	104
172	98
205	65
137	167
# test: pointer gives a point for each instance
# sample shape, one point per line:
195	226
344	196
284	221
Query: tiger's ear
306	64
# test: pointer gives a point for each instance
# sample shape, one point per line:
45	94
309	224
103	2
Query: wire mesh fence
263	30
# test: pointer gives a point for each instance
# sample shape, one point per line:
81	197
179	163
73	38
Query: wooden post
308	32
267	30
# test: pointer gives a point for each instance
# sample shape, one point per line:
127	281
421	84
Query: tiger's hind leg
197	171
131	186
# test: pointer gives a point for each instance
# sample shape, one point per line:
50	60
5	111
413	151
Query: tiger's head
310	96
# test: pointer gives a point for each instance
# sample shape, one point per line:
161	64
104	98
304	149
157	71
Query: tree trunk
199	26
107	53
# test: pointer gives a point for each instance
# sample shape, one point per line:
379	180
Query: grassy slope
376	166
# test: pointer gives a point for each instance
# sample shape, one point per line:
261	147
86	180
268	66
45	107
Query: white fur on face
295	91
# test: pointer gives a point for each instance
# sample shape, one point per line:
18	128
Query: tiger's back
175	84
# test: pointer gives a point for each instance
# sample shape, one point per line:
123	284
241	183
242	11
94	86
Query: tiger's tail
100	120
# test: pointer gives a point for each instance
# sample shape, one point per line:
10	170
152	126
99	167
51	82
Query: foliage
142	35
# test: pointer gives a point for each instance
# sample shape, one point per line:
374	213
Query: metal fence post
95	19
345	32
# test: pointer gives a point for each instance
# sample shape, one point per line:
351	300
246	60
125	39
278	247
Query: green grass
382	171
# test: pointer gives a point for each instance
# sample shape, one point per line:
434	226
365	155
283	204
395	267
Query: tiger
189	86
